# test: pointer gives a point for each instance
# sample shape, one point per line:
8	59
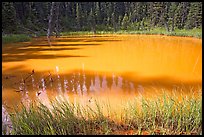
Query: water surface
110	67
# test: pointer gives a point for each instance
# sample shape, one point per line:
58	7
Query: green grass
165	115
15	38
158	31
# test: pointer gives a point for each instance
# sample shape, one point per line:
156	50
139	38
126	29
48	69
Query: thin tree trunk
50	22
93	26
172	29
94	29
57	20
166	25
114	26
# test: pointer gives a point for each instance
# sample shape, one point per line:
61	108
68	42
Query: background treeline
21	17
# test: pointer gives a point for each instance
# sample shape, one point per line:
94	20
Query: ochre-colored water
110	67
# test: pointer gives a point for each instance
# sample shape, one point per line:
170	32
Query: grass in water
169	115
15	38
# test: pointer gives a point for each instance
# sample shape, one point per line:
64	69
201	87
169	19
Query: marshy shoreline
195	33
165	115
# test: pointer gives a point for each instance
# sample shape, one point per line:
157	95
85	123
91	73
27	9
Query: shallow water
108	67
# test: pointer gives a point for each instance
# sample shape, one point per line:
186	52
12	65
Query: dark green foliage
78	16
194	18
92	16
125	22
8	17
181	14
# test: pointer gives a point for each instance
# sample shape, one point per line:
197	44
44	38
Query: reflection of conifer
109	82
113	82
91	88
100	80
73	83
88	82
104	82
126	86
97	82
69	85
119	82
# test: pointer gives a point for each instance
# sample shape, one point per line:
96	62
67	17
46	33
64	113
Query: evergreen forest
38	17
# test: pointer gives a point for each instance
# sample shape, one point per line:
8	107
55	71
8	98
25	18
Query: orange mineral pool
116	68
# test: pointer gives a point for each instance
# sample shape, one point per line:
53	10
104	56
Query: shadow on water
82	39
79	37
24	51
14	58
64	45
86	40
33	52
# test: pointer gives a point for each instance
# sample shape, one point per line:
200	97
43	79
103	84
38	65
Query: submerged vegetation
164	115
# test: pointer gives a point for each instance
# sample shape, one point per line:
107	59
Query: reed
164	115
